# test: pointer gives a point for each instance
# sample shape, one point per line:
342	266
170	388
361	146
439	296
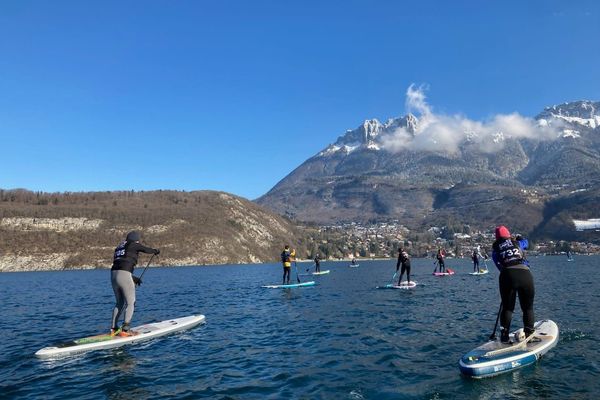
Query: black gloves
137	281
156	252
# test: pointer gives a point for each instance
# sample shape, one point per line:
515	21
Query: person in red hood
515	278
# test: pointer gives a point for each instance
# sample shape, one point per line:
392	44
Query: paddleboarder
515	278
287	256
124	282
317	263
475	257
441	254
404	260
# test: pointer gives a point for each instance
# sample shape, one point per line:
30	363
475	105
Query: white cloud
445	133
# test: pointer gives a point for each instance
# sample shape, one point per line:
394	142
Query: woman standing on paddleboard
404	260
515	278
123	281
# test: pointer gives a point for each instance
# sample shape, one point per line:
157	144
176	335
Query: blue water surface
340	339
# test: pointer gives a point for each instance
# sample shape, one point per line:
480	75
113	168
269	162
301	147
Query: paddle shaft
394	277
493	335
147	265
297	277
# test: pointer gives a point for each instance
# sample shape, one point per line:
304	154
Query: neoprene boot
504	337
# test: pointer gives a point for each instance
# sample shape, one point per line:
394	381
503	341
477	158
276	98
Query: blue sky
233	95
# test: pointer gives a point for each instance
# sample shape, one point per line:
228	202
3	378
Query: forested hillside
40	231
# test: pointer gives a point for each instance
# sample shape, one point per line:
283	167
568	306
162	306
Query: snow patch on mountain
435	132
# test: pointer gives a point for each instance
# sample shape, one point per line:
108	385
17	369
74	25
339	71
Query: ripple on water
340	339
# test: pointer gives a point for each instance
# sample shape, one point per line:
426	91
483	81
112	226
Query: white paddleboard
494	358
353	265
481	272
322	272
106	341
403	285
450	272
291	285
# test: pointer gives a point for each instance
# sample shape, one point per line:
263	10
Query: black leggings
286	271
515	281
405	268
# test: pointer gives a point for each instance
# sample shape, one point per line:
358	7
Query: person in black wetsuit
317	263
440	259
404	260
515	278
123	281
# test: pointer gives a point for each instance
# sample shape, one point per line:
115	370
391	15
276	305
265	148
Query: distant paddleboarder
404	261
440	256
515	278
124	282
287	256
475	257
317	263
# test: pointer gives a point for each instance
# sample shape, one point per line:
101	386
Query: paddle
436	265
147	265
394	277
307	269
297	277
493	335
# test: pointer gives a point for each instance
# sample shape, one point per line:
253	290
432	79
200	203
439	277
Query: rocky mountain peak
583	113
366	135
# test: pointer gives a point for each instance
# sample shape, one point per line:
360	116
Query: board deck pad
494	358
106	341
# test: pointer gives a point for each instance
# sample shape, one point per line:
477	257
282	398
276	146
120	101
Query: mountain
515	175
42	231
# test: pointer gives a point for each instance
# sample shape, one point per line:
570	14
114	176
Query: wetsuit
403	260
515	278
317	264
440	259
125	259
475	258
286	260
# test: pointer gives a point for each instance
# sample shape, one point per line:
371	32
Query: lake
340	339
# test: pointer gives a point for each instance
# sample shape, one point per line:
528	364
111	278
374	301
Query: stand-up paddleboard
450	272
321	272
106	341
291	285
494	358
402	285
481	272
354	265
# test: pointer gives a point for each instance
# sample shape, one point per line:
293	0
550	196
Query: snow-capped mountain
476	178
368	134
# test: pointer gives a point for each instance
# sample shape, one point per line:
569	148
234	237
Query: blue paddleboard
494	358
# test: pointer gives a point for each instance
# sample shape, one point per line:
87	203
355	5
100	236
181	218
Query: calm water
341	339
